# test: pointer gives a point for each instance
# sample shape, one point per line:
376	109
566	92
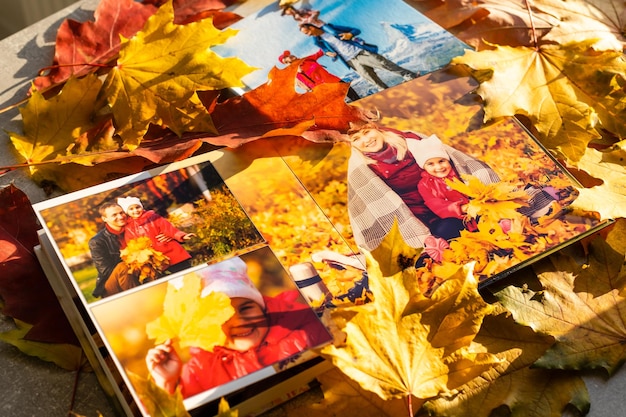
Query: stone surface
35	388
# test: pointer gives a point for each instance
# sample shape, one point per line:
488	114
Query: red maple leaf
24	288
83	46
275	108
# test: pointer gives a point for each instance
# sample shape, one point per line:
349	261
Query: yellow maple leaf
579	305
52	126
602	21
609	198
567	91
191	319
160	69
493	201
406	344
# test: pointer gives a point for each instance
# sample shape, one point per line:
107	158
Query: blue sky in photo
265	34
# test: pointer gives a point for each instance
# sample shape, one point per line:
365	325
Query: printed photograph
459	191
354	41
200	333
118	239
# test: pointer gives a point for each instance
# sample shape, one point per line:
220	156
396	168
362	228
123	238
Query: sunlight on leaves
52	126
190	318
608	199
555	86
160	69
430	354
580	305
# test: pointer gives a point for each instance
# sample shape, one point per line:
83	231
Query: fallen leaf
430	353
526	392
344	397
53	126
160	69
24	288
67	356
580	306
600	20
82	47
276	105
609	198
565	90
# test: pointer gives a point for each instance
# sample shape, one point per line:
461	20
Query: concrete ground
32	388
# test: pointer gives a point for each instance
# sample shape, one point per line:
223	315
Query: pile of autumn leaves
443	349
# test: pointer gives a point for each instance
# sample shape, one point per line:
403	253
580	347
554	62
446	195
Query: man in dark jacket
105	249
342	42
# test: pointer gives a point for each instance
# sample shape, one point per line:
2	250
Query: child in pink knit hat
164	236
262	331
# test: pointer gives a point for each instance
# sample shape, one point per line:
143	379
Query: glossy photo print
213	330
460	191
115	239
355	41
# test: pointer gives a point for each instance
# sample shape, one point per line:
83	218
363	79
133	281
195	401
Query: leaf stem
533	31
51	67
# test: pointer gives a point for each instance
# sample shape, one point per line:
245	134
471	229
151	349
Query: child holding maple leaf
262	331
382	187
439	197
164	236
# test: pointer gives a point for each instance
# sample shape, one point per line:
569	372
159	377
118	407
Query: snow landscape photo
401	33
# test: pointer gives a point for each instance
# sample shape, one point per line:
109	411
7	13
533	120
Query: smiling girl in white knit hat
164	236
438	196
262	331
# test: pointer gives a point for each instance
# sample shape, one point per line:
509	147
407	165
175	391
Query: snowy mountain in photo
421	48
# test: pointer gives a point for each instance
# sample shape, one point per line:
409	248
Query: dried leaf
567	91
600	20
52	127
580	306
436	331
67	356
160	69
526	393
276	105
81	47
609	198
24	288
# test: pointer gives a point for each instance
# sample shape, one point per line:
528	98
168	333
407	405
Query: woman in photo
383	178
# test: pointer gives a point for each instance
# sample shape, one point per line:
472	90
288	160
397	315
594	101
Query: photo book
176	295
209	278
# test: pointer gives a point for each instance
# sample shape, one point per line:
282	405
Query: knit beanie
427	148
284	55
231	278
126	202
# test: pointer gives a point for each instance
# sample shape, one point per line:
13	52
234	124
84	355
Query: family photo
354	42
201	332
492	195
119	239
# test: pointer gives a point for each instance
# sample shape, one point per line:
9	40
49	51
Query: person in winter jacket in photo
164	236
262	332
311	73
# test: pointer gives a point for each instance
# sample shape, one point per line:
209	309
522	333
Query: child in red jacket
311	73
164	236
262	331
438	196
